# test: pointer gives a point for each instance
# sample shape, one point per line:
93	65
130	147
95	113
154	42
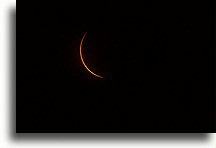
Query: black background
157	59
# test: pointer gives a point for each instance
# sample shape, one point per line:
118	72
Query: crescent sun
83	60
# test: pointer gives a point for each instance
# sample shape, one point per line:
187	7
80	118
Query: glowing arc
83	60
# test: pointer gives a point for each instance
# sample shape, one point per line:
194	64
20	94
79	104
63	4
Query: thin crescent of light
83	60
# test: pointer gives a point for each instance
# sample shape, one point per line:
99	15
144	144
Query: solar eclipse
81	57
130	73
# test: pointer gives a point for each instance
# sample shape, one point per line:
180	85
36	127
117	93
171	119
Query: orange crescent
83	60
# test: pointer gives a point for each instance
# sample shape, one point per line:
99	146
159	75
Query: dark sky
157	62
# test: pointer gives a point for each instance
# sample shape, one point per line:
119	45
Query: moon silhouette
83	60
